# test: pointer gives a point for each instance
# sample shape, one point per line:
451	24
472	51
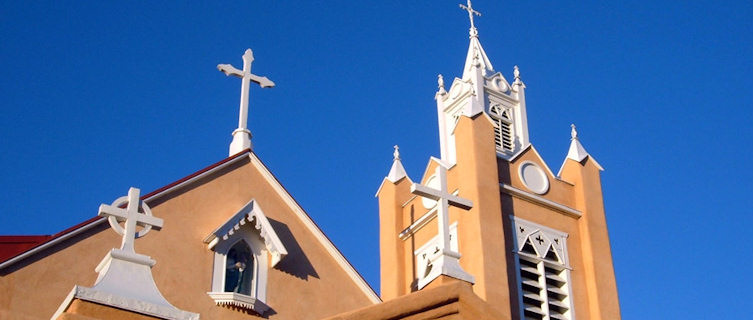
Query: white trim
238	300
250	212
314	229
97	222
115	301
525	195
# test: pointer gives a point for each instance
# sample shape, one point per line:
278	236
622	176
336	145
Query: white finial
573	132
440	84
242	136
471	12
115	214
516	73
397	171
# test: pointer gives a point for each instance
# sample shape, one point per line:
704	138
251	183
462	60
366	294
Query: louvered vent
543	272
502	128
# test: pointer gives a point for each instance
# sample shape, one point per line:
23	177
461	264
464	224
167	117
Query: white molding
525	195
133	305
314	229
95	223
250	212
238	300
548	232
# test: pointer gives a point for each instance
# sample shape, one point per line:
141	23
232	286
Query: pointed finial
573	132
471	12
396	154
440	84
516	73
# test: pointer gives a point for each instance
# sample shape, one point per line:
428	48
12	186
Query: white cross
444	201
471	12
115	214
247	76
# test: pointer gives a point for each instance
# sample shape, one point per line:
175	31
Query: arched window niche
242	249
240	267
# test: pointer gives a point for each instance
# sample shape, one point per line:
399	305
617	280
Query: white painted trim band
525	195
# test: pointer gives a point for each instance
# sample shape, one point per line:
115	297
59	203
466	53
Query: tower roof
476	57
397	171
577	152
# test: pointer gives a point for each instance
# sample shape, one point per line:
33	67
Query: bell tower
489	212
481	90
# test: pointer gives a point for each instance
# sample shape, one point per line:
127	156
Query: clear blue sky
98	97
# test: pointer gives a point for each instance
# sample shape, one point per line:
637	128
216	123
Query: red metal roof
10	246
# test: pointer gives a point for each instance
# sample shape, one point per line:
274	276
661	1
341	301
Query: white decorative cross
471	12
244	140
444	201
115	214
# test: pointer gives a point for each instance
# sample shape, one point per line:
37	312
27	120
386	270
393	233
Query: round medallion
533	177
432	182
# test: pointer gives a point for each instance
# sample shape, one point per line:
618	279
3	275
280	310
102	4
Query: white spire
397	171
576	152
476	57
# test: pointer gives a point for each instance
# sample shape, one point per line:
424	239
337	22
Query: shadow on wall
295	263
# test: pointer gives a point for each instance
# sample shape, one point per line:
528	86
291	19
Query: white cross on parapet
116	214
242	136
446	261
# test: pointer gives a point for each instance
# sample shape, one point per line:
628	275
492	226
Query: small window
503	131
543	272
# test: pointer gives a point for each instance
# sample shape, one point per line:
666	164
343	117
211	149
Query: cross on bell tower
471	12
242	136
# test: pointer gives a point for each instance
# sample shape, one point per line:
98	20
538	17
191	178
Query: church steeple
483	90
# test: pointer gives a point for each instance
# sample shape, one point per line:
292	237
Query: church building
487	231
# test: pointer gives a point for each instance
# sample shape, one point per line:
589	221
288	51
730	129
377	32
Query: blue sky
98	97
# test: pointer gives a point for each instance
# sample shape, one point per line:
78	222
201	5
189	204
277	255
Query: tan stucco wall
301	286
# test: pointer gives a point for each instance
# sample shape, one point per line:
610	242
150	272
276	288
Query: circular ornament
432	182
115	224
533	177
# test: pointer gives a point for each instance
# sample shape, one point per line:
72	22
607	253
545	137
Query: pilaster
480	231
597	255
